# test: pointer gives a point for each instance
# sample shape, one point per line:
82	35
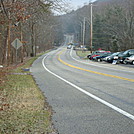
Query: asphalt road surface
86	97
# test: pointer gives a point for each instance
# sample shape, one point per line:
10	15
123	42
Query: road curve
86	102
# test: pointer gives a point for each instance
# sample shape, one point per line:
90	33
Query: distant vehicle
127	53
97	53
129	60
102	55
75	46
69	46
83	48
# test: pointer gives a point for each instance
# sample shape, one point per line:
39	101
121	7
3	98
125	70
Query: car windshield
125	52
108	54
120	53
115	54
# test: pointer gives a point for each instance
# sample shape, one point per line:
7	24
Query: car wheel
133	62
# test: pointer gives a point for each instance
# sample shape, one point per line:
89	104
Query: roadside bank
23	107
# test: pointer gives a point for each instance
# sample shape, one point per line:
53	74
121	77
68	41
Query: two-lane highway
86	97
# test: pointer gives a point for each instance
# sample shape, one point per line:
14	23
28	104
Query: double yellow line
108	75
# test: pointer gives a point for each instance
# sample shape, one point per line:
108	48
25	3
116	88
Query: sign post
16	44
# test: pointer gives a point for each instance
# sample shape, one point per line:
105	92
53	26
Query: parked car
112	57
94	53
69	46
127	53
97	53
83	48
102	55
129	60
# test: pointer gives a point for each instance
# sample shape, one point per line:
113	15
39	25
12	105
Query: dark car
112	57
127	53
103	55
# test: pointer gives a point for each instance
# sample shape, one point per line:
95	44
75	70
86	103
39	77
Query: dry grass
23	108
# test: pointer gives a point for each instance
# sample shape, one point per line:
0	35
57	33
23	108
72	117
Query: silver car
129	60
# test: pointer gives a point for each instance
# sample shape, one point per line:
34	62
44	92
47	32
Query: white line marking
96	65
89	94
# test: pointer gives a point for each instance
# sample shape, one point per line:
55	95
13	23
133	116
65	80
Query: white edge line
96	65
89	94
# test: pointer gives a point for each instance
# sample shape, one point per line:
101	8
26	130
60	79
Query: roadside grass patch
83	54
23	107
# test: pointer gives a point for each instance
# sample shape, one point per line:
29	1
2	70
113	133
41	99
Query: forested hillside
113	24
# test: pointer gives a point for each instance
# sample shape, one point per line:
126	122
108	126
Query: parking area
124	59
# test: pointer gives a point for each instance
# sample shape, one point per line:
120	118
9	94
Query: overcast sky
73	5
79	3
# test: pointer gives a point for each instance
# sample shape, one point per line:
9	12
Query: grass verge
23	107
83	54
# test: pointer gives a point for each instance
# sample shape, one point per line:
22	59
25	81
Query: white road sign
16	43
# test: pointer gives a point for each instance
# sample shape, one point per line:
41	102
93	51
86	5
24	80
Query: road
86	97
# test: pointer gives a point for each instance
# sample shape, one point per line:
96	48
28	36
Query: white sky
73	5
79	3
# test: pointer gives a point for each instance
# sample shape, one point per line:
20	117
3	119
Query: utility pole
84	31
81	32
91	28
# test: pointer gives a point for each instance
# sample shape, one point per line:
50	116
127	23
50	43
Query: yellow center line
108	75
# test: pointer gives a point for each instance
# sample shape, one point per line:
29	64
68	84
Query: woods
113	24
32	22
119	24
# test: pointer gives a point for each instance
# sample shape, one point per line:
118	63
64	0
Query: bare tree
29	21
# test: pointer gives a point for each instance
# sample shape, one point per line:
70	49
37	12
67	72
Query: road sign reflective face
16	43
